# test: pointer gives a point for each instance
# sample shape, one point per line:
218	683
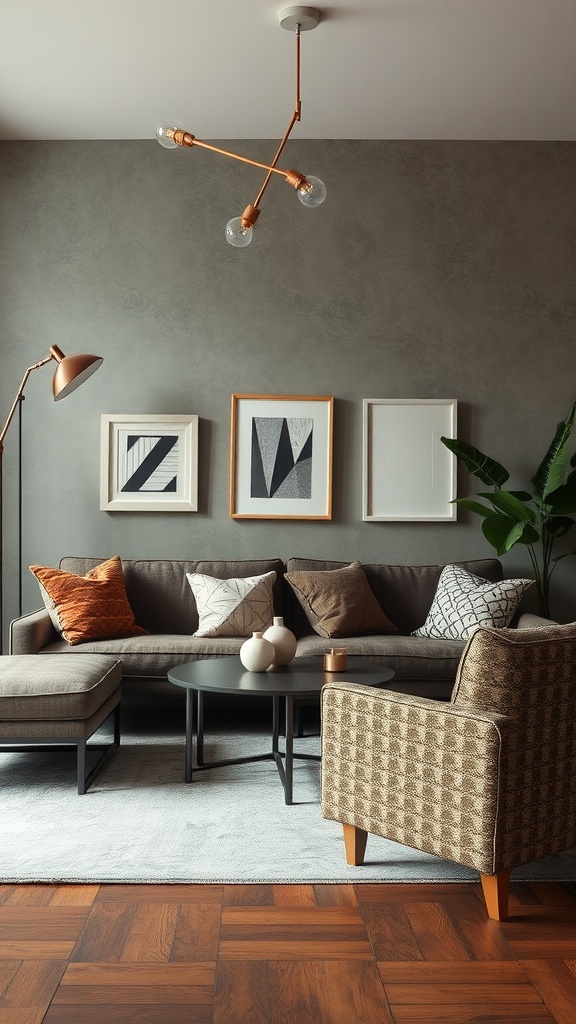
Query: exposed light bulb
163	135
312	192
238	233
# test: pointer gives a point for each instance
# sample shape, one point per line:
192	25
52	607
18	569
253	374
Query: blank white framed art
408	474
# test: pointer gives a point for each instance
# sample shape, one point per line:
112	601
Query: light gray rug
140	822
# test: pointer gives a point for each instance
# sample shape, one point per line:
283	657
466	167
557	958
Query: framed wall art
408	474
149	463
281	457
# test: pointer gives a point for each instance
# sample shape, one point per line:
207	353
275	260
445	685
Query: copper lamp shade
71	371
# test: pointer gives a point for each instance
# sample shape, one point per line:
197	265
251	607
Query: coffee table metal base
284	759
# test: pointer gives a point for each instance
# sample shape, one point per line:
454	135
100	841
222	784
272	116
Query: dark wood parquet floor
285	954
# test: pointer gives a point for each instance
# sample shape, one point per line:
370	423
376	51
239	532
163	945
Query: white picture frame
408	474
281	457
149	463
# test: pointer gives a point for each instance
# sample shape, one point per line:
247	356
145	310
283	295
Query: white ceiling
373	69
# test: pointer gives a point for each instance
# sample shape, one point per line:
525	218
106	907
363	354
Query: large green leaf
562	501
472	506
480	465
552	470
558	526
502	532
510	505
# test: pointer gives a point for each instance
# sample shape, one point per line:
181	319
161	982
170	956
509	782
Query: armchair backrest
522	673
528	678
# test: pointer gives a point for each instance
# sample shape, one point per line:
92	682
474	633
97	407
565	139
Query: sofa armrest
528	620
420	772
30	633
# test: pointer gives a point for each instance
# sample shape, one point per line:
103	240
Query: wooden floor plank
473	1013
33	985
335	895
473	972
483	937
556	985
161	893
8	968
294	896
197	932
440	993
316	992
390	932
260	917
248	896
552	894
132	995
5	892
140	1013
53	923
435	932
418	892
35	895
241	993
294	949
123	974
35	949
105	932
74	896
151	933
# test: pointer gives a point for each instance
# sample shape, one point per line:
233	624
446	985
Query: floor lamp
71	371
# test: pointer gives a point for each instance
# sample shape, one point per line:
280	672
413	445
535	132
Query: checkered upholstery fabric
485	780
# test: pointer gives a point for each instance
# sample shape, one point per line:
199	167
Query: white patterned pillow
463	602
236	607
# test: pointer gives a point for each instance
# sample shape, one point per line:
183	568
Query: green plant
538	518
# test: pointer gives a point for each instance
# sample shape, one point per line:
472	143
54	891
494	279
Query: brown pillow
339	602
90	607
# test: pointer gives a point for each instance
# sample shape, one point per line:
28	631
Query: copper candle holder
335	659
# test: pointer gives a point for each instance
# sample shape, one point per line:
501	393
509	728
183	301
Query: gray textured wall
433	270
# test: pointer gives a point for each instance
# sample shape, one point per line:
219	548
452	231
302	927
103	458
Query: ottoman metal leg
84	779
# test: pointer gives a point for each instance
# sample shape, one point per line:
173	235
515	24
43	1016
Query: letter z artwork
149	463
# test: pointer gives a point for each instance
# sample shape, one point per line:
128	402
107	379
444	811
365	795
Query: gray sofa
164	605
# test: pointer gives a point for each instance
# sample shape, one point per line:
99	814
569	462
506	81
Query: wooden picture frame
281	456
408	474
149	463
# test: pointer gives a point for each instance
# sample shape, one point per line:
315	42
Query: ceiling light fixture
310	190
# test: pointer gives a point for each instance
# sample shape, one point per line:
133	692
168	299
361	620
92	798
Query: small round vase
257	654
283	640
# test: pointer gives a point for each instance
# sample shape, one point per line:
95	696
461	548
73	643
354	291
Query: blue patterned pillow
463	602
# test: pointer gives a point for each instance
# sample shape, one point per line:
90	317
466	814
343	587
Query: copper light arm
20	392
183	138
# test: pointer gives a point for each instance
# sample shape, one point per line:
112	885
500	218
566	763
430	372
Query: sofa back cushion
159	593
404	592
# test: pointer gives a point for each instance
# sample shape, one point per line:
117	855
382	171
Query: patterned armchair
487	780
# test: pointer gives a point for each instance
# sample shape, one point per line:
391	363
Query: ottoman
58	701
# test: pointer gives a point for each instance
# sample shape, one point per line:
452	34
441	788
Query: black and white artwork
149	463
281	457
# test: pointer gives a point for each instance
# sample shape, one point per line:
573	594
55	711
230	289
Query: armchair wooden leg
495	889
355	844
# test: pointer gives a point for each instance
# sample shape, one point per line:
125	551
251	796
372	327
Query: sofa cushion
159	593
150	656
408	657
463	602
235	607
404	592
339	602
88	607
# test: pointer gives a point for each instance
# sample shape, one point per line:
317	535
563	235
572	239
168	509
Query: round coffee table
303	677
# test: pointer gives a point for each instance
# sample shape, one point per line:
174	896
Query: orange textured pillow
90	607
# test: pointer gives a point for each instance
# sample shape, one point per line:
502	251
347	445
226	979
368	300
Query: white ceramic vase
283	640
257	654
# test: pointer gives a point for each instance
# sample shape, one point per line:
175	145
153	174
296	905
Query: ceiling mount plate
306	17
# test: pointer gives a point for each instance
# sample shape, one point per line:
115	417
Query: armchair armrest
421	772
30	633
